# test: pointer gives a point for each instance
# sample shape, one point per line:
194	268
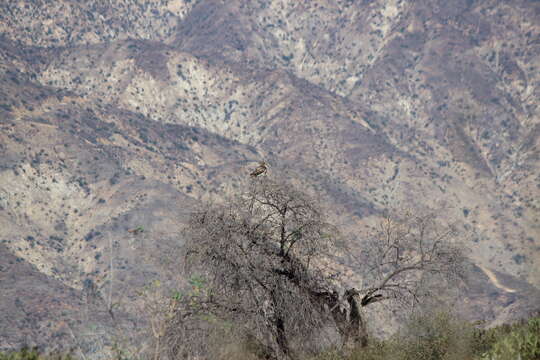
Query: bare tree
407	250
260	256
260	262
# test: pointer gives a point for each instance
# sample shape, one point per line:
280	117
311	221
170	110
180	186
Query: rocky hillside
123	115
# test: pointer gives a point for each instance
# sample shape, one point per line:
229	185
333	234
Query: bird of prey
261	169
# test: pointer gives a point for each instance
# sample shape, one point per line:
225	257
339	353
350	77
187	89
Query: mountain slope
128	114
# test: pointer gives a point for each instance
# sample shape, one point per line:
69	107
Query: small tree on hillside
261	263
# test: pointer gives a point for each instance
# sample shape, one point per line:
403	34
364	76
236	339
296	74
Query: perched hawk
261	169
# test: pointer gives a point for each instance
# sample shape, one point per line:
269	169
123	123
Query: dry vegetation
256	264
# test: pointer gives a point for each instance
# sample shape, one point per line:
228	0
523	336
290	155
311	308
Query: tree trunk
356	332
347	317
281	339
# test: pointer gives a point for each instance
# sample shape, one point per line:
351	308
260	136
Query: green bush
520	341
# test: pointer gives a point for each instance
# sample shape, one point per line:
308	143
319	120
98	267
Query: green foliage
522	341
176	295
32	354
197	282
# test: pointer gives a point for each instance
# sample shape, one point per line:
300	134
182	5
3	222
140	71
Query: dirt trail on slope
493	278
